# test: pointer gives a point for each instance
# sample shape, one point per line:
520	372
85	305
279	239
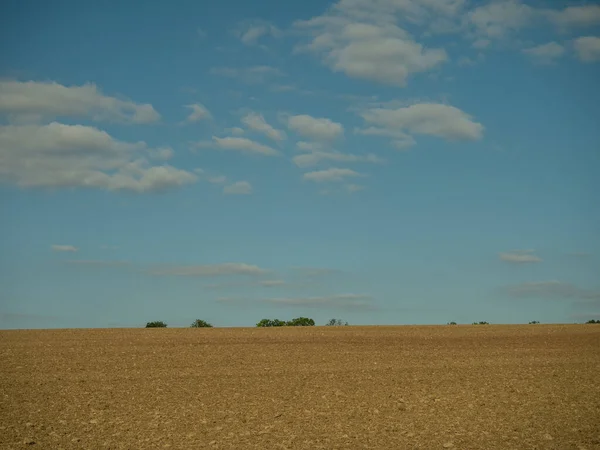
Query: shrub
336	323
480	323
156	324
593	321
200	324
451	323
533	322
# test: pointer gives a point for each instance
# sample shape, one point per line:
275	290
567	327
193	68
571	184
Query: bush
200	324
593	321
451	323
336	323
480	323
156	324
533	322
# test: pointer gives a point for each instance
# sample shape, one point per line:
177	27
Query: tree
533	322
336	323
271	323
480	323
297	322
593	321
301	322
156	324
451	323
198	323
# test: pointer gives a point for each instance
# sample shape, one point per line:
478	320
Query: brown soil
458	387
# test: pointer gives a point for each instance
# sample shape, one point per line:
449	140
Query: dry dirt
428	387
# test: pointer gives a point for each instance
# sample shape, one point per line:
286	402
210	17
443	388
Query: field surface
428	387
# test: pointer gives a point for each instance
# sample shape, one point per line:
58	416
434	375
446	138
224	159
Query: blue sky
383	162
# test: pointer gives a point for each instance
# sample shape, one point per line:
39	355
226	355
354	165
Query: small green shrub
156	324
451	323
480	323
198	323
593	321
533	322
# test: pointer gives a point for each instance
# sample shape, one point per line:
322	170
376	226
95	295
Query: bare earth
458	387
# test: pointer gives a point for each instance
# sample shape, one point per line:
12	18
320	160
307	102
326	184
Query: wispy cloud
552	290
64	248
239	144
210	270
248	75
257	122
520	257
198	112
238	188
331	175
37	100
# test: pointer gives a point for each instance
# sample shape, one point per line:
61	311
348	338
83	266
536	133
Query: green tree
156	324
301	322
533	322
336	323
593	321
198	323
271	323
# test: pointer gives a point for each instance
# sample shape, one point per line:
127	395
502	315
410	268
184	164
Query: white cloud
339	301
331	175
520	257
253	32
496	19
319	129
239	144
587	48
432	119
545	53
400	139
236	131
238	188
64	248
576	16
198	112
210	270
311	146
314	158
257	122
249	75
361	38
35	101
58	155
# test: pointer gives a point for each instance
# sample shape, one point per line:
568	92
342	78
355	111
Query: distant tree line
297	322
301	322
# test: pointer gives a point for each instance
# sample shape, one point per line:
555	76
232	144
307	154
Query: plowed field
428	387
